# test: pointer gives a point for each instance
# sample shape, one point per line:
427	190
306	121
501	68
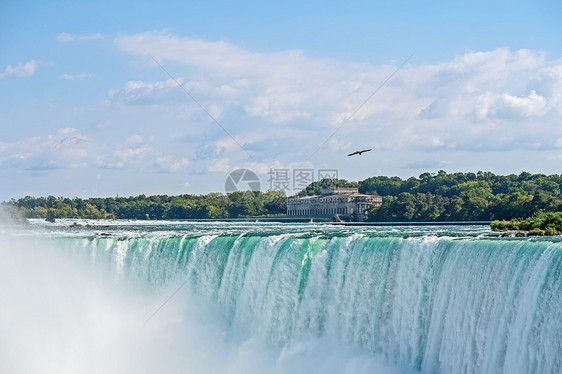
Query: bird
360	152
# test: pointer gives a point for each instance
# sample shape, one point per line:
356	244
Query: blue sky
85	111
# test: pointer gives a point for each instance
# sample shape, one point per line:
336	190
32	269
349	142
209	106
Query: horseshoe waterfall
254	298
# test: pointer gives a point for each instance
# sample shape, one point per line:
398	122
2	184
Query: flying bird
360	152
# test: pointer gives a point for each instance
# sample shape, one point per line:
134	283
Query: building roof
339	190
354	194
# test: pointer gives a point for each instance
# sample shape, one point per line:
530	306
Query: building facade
332	202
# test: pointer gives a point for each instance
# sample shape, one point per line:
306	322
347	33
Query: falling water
417	303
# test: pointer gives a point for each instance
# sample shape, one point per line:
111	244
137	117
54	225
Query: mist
62	314
9	215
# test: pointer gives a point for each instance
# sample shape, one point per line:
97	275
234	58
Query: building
342	202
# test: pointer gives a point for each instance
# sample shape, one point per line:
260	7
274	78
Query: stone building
342	202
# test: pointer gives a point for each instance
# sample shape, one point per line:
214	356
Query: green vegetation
210	206
540	224
481	196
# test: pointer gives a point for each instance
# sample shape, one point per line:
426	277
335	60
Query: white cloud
218	165
530	105
136	85
499	99
229	144
282	106
169	164
135	139
133	86
67	148
548	83
70	77
437	142
139	157
509	106
213	56
146	93
335	145
121	158
273	81
20	70
66	37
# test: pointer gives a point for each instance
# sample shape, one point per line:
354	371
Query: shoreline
320	220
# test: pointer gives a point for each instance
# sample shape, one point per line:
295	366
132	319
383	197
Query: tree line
481	196
210	206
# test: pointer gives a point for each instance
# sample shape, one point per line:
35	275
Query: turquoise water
393	299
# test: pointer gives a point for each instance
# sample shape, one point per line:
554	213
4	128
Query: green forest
210	206
481	196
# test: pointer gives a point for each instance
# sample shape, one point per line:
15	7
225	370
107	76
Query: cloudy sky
91	104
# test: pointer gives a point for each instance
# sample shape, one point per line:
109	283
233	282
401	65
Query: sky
125	98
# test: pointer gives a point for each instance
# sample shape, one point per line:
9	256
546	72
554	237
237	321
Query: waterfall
428	304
